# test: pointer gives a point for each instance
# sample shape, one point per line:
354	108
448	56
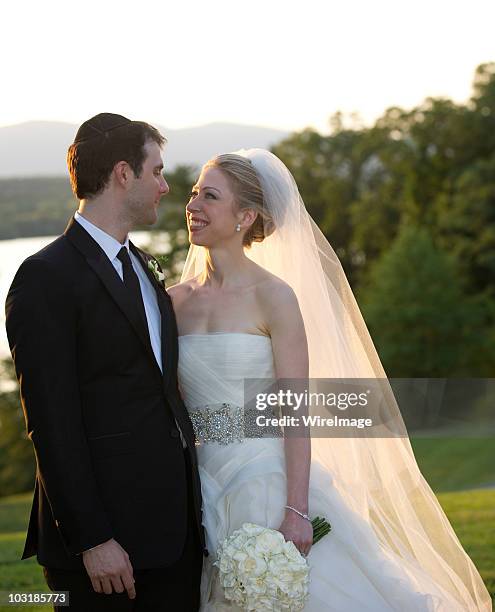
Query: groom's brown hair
100	143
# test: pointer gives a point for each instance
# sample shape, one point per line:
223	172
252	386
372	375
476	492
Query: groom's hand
109	568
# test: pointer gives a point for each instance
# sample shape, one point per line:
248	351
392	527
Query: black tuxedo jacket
101	416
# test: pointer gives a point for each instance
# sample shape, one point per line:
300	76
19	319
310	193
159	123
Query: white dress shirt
111	247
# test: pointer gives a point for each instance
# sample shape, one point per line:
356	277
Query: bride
264	296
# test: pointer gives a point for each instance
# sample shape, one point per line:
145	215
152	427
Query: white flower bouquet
260	571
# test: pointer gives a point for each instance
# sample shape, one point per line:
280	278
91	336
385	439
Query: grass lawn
16	575
472	514
452	464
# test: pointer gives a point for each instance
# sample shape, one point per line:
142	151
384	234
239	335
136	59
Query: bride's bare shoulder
181	291
280	307
273	291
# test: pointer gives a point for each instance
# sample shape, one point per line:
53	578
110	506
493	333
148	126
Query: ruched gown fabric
246	482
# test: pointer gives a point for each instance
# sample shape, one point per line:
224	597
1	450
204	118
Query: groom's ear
123	174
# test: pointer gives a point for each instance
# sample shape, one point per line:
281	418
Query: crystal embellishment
225	424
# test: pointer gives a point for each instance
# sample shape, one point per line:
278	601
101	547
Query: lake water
14	252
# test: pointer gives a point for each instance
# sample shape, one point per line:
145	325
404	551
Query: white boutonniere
153	266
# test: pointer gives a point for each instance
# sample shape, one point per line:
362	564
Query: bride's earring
238	227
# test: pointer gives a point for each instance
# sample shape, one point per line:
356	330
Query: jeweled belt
225	423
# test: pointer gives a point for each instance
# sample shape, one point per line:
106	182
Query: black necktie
131	282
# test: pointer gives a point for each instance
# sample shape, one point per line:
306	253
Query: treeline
409	206
42	206
37	206
433	166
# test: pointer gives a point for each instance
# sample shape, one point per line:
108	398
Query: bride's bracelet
304	516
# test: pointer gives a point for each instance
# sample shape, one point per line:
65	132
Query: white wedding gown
244	481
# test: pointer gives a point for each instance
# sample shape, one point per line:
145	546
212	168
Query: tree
466	224
422	322
343	179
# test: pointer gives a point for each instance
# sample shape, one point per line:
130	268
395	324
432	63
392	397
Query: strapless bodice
213	367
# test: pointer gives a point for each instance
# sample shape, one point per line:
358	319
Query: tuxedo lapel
169	341
143	260
168	338
102	266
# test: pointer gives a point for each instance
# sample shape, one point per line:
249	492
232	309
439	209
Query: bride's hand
298	530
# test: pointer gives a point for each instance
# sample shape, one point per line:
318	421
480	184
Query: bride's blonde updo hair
247	191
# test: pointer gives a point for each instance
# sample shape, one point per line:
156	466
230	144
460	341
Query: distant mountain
38	148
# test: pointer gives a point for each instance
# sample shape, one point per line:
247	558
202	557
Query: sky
281	64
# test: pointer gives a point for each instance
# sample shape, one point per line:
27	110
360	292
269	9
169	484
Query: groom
116	515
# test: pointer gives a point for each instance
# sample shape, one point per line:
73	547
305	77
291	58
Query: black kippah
99	125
